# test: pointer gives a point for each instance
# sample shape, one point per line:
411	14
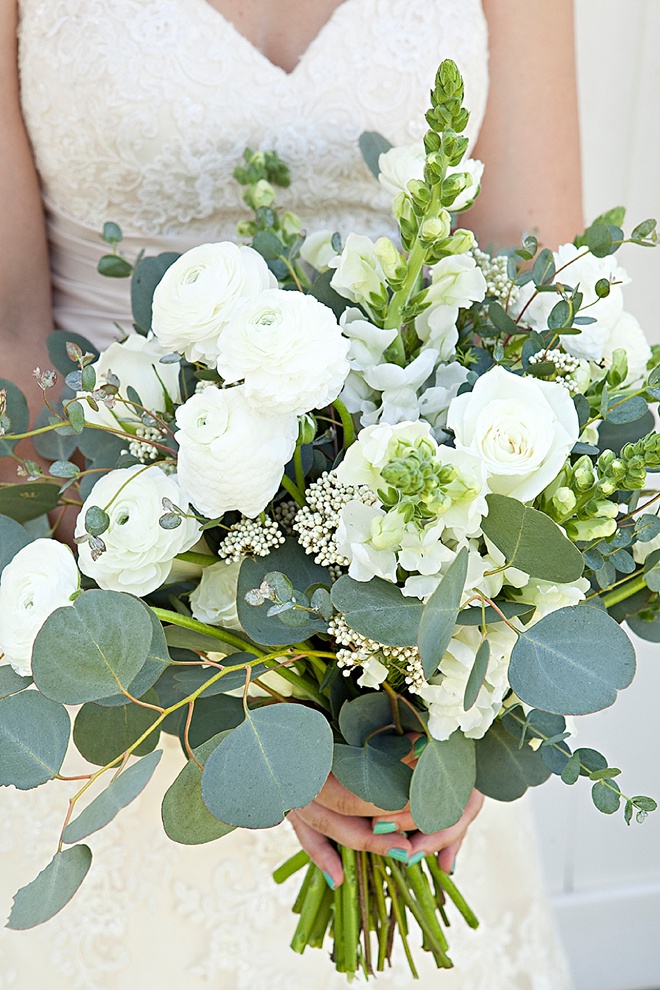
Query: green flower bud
436	229
392	263
583	474
387	531
583	531
291	223
246	228
564	501
306	428
460	242
618	371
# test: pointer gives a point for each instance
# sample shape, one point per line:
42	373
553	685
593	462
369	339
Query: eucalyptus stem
626	590
214	632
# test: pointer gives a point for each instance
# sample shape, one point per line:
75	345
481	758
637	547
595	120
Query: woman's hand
338	814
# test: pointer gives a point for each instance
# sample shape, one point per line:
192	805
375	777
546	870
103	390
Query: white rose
136	362
41	577
628	334
582	270
139	552
199	294
231	456
290	351
358	272
522	428
214	599
317	249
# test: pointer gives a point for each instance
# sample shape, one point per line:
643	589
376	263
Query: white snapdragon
399	386
368	537
214	599
135	362
201	291
289	350
359	275
434	402
317	249
367	345
522	428
401	164
138	553
468	493
373	673
423	551
628	334
40	578
456	282
231	456
548	597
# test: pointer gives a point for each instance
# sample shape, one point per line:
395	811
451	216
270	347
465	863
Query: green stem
323	918
400	920
338	926
416	260
637	583
380	912
452	892
426	921
292	489
291	866
214	632
304	887
347	424
298	467
310	908
422	891
363	889
350	908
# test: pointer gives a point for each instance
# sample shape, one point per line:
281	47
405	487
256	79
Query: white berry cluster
317	522
141	448
566	366
359	649
494	271
250	537
285	513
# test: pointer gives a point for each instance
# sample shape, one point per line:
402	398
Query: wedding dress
138	111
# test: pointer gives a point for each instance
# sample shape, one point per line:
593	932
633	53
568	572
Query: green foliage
34	736
474	615
190	639
13	537
89	650
370	711
372	146
606	796
189	679
25	502
102	734
186	819
477	675
11	682
51	890
276	760
148	273
505	769
114	266
117	795
212	715
572	662
439	617
15	418
374	771
531	541
158	659
378	609
442	782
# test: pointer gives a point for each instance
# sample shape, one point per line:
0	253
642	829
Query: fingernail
330	882
420	746
399	854
416	858
453	868
382	828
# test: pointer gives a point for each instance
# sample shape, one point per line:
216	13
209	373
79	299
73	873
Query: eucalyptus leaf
504	768
34	736
442	782
186	819
625	410
367	713
378	609
212	715
157	661
531	541
374	774
17	412
57	350
27	501
277	759
146	276
372	146
11	682
119	793
190	639
102	734
189	679
572	662
606	796
477	675
13	537
474	615
439	616
41	899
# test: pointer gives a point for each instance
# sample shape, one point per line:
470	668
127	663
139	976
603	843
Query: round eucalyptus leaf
362	716
91	649
34	736
277	759
442	782
57	352
17	413
51	890
378	609
11	682
212	715
158	660
102	734
28	501
572	662
606	796
186	819
375	774
13	537
504	768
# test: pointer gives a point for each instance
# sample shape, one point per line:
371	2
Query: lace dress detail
138	112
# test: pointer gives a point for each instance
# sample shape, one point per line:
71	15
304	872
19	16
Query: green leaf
56	343
572	661
186	819
25	502
17	412
189	639
377	609
474	615
111	232
590	761
113	266
477	675
571	771
213	715
442	782
277	759
504	768
323	291
543	270
91	649
34	736
146	277
368	712
560	315
372	146
13	537
51	890
439	616
102	734
375	774
119	793
606	796
76	416
11	682
158	660
501	319
191	678
53	446
620	410
644	803
531	541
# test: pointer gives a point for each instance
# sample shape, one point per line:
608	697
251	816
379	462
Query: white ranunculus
317	249
289	350
41	577
579	268
401	164
628	334
358	272
522	428
135	362
214	599
199	294
231	456
139	552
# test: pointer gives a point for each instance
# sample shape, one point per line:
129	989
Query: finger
436	841
336	797
319	849
447	857
353	831
395	821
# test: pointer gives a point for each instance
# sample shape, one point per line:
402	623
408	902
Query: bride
137	112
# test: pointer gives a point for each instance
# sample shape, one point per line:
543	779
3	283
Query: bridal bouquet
375	508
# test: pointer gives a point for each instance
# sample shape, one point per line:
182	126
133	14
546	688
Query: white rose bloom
522	428
628	334
139	552
583	270
214	599
361	539
41	578
317	249
136	362
401	164
231	456
289	349
445	692
373	449
358	272
201	291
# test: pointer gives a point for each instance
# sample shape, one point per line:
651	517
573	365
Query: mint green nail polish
399	854
330	882
416	858
453	868
420	746
383	828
